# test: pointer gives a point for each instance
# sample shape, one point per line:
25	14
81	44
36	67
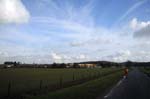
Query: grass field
23	80
88	90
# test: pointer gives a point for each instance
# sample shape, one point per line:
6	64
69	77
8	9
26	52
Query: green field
24	80
89	90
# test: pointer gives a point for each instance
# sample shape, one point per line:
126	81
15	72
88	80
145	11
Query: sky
47	31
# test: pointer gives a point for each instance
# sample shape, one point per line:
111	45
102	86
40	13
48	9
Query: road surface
136	86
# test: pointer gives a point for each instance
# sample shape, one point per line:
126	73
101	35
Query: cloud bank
69	32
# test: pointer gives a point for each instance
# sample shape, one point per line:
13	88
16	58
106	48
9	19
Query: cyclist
126	72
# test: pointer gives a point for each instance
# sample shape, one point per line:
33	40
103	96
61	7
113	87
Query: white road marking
114	87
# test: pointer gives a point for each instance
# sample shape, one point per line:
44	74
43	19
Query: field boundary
88	90
54	87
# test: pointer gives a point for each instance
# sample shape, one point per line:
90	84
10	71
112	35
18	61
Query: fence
42	87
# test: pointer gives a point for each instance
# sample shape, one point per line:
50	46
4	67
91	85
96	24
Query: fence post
9	88
94	75
73	77
61	81
41	84
82	76
90	75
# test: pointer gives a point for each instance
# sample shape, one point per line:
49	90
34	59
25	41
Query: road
136	86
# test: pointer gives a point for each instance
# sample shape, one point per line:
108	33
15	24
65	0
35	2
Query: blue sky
46	31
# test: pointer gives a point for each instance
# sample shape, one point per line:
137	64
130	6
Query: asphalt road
136	86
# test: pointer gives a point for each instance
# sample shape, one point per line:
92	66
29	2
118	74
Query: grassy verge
88	90
145	70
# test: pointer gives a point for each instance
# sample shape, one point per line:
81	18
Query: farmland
89	90
17	81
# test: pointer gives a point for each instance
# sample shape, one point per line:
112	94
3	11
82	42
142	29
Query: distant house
87	65
69	65
9	64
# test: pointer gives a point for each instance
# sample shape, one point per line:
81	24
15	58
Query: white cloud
135	24
56	56
81	56
60	57
143	33
76	44
103	40
140	29
13	11
119	56
4	54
